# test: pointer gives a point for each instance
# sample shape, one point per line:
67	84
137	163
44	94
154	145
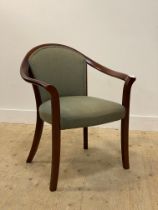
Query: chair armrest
55	102
24	71
106	70
129	80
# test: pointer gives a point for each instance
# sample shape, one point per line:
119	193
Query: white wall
122	35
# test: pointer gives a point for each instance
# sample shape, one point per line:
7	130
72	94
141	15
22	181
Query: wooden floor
89	180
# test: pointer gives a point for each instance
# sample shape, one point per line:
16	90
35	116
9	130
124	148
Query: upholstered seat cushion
83	111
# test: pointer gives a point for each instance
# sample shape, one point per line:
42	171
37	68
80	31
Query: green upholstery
66	69
62	67
83	111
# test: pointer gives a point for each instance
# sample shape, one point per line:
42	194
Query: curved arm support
55	110
55	105
126	92
125	121
129	80
106	70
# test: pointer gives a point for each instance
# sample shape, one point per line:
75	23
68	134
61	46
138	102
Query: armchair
58	74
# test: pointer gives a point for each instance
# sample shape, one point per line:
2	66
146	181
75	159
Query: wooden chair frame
55	105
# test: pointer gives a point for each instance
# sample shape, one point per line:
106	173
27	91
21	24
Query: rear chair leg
36	139
85	137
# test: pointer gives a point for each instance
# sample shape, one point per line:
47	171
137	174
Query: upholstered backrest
60	66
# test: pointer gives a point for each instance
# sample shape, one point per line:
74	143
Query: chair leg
85	137
36	139
56	135
124	142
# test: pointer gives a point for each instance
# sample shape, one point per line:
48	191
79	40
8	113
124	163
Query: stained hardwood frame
27	75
